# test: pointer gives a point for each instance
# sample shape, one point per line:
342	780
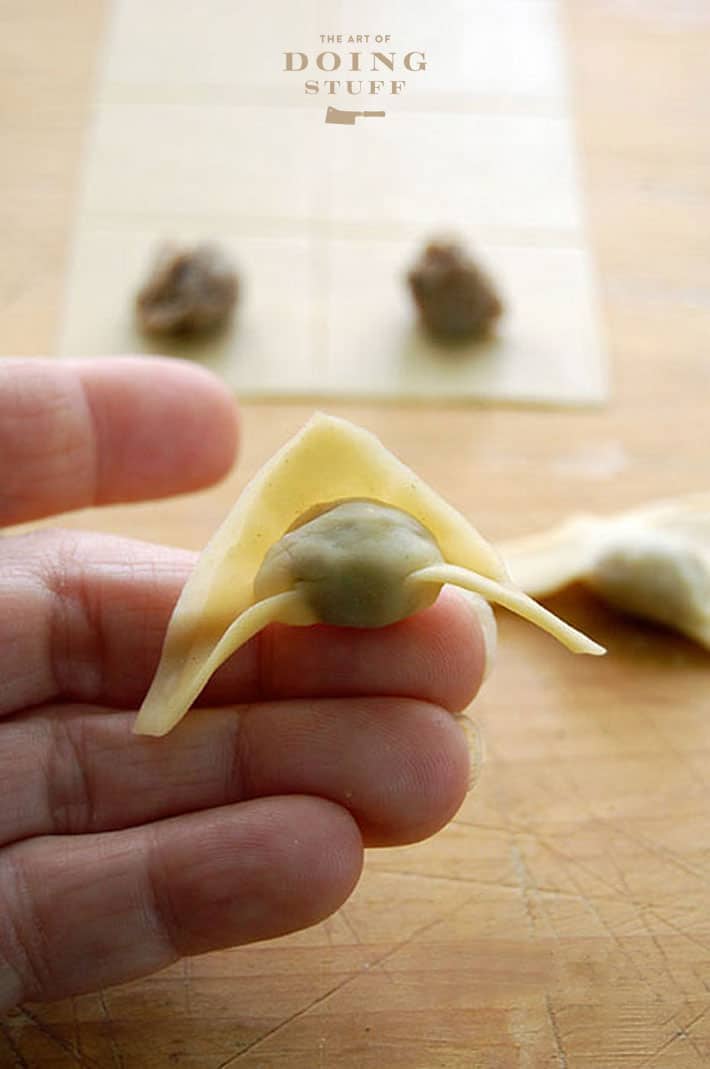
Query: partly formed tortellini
652	562
333	529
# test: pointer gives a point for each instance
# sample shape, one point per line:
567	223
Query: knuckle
76	644
160	904
71	801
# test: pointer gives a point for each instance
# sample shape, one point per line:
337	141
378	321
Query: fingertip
425	788
325	863
163	425
462	632
262	869
216	432
148	895
485	628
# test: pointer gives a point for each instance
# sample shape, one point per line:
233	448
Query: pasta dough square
544	348
274	319
502	172
199	132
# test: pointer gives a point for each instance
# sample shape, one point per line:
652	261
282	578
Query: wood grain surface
562	921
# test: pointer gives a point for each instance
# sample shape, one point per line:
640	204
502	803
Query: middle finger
400	766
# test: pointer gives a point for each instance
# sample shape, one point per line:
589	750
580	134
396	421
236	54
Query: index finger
85	619
81	433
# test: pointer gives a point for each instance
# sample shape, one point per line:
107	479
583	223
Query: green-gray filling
349	564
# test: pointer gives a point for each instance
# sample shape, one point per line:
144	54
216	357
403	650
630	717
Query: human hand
118	853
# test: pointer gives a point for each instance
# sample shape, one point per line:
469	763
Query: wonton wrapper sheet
194	121
328	460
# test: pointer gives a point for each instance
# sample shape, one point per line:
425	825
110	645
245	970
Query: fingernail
474	742
487	621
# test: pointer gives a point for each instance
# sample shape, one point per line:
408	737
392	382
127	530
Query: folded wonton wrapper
652	562
292	550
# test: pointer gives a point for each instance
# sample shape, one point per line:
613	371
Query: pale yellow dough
329	460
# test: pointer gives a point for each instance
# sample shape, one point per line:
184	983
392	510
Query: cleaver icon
347	118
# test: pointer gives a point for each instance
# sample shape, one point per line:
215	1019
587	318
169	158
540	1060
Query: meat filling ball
189	291
457	300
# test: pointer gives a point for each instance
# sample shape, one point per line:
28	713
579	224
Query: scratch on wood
603	923
540	889
442	877
470	881
77	1026
680	1033
350	926
523	878
426	928
697	1019
187	984
326	928
680	931
575	896
656	850
621	893
660	1050
620	871
10	1040
115	1051
674	983
561	1055
667	739
663	956
459	822
233	1059
547	844
81	1059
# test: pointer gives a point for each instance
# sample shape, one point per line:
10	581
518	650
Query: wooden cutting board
562	921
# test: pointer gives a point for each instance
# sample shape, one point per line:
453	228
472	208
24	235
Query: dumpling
333	529
652	562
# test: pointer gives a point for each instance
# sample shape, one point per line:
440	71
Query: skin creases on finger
135	901
86	616
399	766
77	433
437	655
